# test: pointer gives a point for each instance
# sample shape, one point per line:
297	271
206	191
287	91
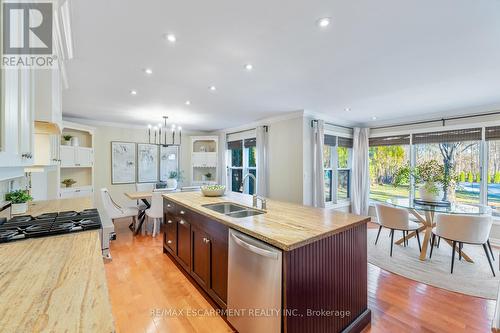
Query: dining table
145	197
424	212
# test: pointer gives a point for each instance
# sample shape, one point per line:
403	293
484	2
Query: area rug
474	279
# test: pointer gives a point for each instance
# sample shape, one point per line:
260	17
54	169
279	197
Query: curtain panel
318	167
360	172
262	148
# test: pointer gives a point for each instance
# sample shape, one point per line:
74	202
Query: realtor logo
27	34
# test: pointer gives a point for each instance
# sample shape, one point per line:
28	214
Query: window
337	168
458	151
387	155
493	174
242	160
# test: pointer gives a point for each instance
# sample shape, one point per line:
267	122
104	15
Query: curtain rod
443	120
249	129
331	124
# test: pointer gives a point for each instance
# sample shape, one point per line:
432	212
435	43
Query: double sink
233	210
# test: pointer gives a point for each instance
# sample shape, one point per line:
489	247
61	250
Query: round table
427	219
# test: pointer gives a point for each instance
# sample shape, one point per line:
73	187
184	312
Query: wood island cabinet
199	245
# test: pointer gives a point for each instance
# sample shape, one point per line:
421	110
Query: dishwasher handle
253	248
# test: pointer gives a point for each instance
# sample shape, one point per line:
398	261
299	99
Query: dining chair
115	211
143	187
464	229
394	218
156	211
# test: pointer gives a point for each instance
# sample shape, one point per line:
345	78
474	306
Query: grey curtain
262	160
360	172
318	167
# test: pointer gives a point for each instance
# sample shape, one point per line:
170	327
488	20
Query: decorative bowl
213	190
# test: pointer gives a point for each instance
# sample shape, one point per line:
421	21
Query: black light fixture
158	138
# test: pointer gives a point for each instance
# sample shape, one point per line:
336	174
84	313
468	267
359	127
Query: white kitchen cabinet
76	156
16	123
204	160
75	192
48	96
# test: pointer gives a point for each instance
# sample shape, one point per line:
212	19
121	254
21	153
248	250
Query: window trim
335	171
245	168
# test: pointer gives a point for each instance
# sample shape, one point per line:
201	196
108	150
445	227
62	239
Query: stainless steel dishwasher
254	285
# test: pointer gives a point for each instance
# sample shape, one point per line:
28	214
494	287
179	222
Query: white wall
285	160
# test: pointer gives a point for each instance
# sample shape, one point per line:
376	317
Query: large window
387	155
493	173
337	153
458	152
242	160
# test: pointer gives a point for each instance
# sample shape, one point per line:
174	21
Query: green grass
383	192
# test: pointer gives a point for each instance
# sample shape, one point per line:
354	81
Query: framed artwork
169	161
123	162
147	163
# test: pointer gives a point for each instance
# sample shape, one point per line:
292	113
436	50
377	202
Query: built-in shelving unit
204	152
77	161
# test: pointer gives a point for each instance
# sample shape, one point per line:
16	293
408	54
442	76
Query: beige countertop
54	284
285	225
60	205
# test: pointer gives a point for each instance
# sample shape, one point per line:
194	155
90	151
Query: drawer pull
182	212
169	242
169	221
181	222
169	206
206	240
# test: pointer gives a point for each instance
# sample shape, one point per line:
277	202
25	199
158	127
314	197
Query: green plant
478	177
18	197
208	175
67	137
68	182
470	177
176	175
496	178
462	177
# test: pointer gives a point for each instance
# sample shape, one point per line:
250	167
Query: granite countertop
285	225
59	205
54	284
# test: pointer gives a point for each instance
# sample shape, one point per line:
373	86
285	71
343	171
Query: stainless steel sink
233	210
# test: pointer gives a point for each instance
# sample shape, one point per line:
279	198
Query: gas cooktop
27	226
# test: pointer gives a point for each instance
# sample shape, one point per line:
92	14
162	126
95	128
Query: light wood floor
141	279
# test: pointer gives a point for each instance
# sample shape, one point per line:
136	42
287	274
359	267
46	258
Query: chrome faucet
255	197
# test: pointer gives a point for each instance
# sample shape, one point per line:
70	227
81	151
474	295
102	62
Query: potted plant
174	178
19	200
67	139
68	182
430	178
208	175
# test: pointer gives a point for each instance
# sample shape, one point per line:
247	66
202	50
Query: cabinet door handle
169	206
181	222
169	242
206	240
182	212
169	221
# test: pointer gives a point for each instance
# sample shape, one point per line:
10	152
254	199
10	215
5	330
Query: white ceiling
393	59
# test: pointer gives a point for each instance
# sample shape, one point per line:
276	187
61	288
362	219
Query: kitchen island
56	283
324	265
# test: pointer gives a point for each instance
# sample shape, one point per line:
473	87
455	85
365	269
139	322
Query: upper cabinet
48	98
17	118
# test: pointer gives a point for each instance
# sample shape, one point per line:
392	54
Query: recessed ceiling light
374	118
148	71
133	92
347	109
212	88
188	102
323	22
248	67
171	38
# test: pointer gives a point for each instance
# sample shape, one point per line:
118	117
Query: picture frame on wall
147	163
169	161
123	162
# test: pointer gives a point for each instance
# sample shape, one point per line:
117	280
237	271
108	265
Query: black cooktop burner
7	235
26	226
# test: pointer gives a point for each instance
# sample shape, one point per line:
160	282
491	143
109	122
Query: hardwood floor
144	284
